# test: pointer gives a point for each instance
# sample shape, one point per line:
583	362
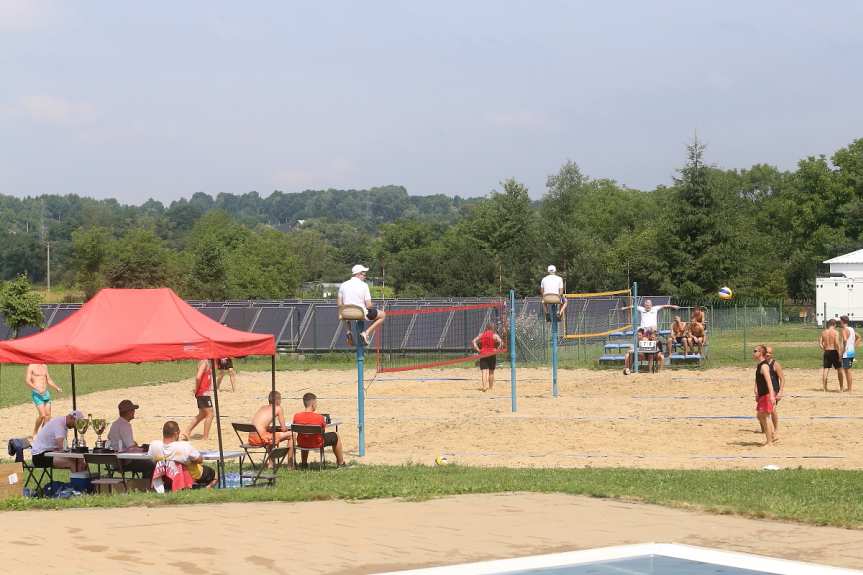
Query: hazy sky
163	99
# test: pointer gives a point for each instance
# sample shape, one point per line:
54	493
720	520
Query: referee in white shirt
552	284
355	291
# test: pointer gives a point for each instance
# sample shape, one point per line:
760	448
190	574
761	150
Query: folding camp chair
264	475
112	465
36	475
256	450
308	431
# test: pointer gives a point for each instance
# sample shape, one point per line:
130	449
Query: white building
841	292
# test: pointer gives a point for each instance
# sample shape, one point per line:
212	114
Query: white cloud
56	110
24	14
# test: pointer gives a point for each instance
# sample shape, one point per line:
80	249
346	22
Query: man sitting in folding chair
263	420
305	443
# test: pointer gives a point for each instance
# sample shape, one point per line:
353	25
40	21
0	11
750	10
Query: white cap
77	414
359	268
551	269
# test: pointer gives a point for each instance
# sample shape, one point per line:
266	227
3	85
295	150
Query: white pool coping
713	556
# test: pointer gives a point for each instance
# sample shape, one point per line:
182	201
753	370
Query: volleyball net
425	337
597	314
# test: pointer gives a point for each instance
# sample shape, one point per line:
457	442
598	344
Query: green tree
263	267
139	259
19	304
90	251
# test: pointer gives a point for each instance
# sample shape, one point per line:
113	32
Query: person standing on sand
777	377
849	344
38	380
486	345
831	344
203	391
765	398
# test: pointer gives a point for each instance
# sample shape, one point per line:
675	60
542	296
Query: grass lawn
821	497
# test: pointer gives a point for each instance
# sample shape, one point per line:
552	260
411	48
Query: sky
162	99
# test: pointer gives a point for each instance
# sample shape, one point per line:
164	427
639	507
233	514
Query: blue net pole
553	309
361	389
635	322
512	349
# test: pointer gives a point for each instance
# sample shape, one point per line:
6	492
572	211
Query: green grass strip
819	497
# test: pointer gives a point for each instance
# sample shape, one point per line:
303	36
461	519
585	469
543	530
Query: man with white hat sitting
356	292
51	438
552	284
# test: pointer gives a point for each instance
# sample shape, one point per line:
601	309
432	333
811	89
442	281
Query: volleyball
725	293
441	460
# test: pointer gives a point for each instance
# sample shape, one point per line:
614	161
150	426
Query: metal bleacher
619	343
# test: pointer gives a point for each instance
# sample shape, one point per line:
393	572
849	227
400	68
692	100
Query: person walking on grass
203	392
849	344
38	380
486	345
765	397
831	346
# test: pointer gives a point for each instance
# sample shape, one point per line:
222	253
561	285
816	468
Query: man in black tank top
765	397
777	376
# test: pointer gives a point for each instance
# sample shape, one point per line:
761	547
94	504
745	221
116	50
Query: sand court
343	537
677	419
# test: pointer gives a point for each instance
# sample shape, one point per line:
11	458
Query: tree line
761	231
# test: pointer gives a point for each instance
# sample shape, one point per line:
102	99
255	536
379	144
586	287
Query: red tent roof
135	325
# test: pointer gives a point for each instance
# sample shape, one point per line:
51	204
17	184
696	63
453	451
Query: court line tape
632	455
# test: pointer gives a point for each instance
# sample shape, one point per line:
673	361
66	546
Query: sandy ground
676	419
339	537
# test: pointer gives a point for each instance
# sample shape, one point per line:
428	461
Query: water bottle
119	445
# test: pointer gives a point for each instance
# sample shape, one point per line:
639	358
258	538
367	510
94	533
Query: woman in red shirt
203	392
486	344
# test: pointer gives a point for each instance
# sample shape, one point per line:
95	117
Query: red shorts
764	404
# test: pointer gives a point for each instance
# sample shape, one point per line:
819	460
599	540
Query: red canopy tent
138	325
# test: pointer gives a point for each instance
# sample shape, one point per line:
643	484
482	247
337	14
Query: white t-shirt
850	343
48	436
178	451
552	284
649	319
121	430
355	292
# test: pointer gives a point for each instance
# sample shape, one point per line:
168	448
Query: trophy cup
80	444
99	424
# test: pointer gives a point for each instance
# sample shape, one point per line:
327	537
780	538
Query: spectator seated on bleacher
678	335
649	351
696	339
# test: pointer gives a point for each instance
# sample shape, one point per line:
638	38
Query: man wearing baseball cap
123	439
553	284
355	291
51	438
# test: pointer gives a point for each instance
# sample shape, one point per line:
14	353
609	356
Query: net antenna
428	337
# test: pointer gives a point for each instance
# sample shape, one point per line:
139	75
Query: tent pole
221	465
74	398
273	384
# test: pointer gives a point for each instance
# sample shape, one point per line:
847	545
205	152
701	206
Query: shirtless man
38	380
677	335
831	344
696	338
697	315
263	419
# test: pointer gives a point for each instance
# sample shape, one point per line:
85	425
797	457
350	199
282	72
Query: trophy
79	443
99	424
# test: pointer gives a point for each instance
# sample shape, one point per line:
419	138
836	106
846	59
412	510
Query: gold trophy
99	424
79	443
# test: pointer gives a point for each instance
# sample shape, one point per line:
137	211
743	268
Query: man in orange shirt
311	417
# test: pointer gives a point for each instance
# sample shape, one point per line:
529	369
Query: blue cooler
80	481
